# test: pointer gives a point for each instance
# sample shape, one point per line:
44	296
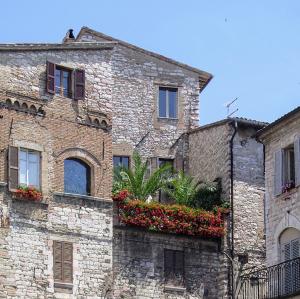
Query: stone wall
137	77
282	211
139	266
59	128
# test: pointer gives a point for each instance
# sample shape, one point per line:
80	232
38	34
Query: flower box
175	219
27	193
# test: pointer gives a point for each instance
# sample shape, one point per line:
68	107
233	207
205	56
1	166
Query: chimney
69	37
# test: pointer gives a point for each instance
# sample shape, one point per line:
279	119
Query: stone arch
288	221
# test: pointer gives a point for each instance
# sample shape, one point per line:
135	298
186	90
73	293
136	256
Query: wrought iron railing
279	281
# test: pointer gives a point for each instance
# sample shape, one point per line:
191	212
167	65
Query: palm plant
136	181
182	188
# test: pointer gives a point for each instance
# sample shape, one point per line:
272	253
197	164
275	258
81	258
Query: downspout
232	209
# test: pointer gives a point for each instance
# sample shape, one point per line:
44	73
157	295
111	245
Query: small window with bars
63	262
174	267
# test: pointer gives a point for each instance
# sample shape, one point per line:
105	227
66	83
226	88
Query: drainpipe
234	123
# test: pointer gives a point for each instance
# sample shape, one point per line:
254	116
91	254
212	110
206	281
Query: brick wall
61	129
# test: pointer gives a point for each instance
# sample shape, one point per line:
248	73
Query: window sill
287	195
61	287
167	119
171	288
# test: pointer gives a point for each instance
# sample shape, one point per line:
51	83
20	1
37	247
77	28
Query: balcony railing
279	281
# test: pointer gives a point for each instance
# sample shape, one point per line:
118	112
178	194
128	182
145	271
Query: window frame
89	178
122	156
63	281
167	88
63	69
287	165
174	252
27	150
162	193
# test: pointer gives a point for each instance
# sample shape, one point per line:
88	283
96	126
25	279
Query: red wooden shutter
13	167
67	262
79	84
57	261
50	84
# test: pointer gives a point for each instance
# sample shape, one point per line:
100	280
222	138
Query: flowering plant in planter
28	193
170	218
288	186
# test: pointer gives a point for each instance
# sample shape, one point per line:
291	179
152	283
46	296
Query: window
24	168
174	267
65	81
29	169
77	176
63	262
121	161
287	168
163	196
62	81
167	102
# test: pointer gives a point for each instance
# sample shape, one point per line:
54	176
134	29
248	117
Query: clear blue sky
251	47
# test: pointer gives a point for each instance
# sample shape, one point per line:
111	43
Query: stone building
66	112
282	209
228	150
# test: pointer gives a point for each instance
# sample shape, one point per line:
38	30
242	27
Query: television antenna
228	105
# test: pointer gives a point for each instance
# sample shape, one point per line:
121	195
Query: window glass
121	161
66	83
77	176
172	97
162	102
29	168
57	81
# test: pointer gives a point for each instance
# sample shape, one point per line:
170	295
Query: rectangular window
121	161
174	267
29	168
63	262
163	196
63	81
289	165
60	80
167	102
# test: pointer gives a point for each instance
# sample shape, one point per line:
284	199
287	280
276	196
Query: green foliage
208	196
182	188
135	179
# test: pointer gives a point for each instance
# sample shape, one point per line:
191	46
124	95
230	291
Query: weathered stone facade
210	156
282	210
57	127
121	86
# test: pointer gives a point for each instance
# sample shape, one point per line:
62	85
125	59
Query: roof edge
205	76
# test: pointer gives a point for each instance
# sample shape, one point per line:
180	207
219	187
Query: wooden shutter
287	252
278	172
13	167
79	84
297	161
67	262
179	262
169	262
295	248
57	261
50	84
63	261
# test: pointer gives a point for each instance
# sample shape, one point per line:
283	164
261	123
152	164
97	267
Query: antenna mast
228	105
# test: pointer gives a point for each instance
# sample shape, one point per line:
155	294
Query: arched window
290	244
77	176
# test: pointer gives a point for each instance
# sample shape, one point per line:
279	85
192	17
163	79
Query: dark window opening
174	267
77	177
63	81
121	161
289	167
167	102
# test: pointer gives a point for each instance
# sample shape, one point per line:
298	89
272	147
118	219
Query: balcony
278	281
